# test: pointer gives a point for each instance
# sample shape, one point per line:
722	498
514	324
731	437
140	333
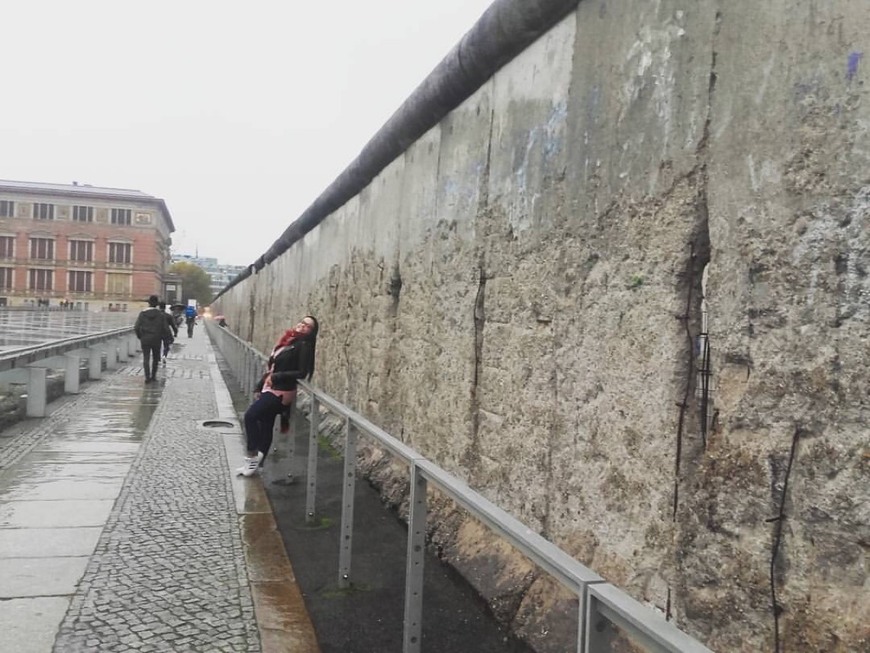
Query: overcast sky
236	114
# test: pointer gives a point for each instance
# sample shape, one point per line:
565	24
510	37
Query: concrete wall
518	295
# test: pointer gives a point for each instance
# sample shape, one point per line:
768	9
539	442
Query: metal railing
117	345
602	606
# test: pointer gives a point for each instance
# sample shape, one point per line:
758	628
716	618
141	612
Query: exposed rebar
777	541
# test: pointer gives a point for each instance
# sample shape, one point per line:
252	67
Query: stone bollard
123	353
36	391
95	363
71	376
111	355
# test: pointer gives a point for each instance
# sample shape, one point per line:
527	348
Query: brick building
94	248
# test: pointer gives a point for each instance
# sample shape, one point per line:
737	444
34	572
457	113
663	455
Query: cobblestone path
168	572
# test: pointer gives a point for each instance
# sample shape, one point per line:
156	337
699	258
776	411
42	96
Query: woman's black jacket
295	362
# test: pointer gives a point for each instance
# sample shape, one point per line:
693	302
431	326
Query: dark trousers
260	420
150	350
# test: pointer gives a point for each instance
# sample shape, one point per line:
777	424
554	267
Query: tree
195	282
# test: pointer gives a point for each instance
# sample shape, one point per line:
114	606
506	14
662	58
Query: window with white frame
81	250
121	216
42	248
43	211
7	209
6	278
41	280
80	281
120	253
83	213
7	246
118	284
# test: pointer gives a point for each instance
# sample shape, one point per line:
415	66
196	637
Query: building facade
81	246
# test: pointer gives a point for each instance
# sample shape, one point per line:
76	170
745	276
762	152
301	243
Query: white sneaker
248	467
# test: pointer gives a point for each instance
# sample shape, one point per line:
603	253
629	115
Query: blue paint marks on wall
852	64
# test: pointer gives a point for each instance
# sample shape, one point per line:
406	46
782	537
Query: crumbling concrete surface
527	295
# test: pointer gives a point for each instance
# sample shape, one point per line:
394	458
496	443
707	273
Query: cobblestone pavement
168	572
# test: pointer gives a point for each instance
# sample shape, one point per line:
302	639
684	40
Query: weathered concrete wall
518	295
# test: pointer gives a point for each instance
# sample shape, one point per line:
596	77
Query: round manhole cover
218	424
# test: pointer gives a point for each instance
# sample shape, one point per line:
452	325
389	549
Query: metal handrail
600	603
22	356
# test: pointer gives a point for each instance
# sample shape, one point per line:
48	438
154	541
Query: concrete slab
264	549
24	577
89	445
283	620
55	514
48	542
32	469
250	497
62	490
28	625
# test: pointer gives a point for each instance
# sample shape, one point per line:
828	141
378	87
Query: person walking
291	359
190	319
151	328
172	327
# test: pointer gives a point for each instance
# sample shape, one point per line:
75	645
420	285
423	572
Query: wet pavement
122	527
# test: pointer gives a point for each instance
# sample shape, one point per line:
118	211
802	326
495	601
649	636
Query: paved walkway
122	527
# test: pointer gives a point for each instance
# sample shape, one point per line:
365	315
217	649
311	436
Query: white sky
236	114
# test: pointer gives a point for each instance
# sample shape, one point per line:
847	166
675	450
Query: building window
42	248
7	209
83	213
80	281
120	216
120	253
43	211
7	246
81	250
6	278
41	279
118	284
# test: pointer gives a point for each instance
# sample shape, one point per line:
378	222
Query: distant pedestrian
190	319
172	327
291	359
151	328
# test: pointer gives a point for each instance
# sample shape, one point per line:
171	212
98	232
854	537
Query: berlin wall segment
512	297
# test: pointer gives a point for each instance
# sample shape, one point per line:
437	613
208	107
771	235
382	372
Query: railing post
246	370
132	345
414	563
36	391
123	353
111	355
597	640
255	370
581	618
347	495
310	495
71	373
95	363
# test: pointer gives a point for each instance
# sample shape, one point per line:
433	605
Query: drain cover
218	424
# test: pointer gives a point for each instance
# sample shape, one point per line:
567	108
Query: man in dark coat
151	328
